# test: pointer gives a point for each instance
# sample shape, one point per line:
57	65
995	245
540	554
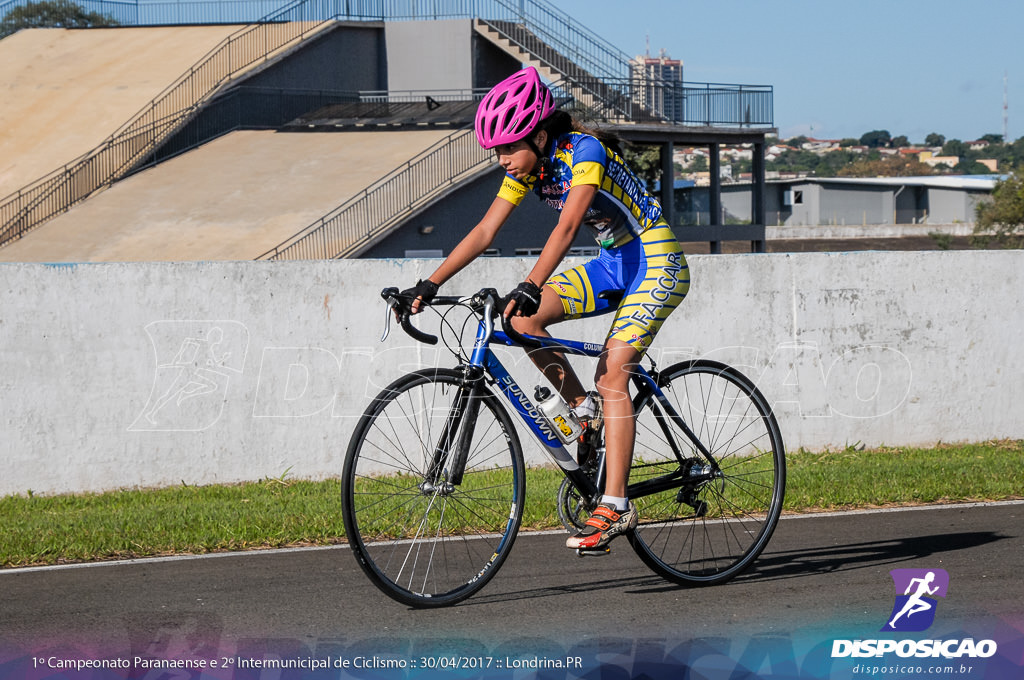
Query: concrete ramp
64	91
232	199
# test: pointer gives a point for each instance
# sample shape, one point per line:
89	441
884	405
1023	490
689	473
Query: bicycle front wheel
422	539
714	487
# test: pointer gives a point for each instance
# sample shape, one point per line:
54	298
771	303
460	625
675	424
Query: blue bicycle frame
483	361
483	358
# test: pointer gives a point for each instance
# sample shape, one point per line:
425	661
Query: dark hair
561	122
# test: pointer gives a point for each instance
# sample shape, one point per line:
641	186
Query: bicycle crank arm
593	552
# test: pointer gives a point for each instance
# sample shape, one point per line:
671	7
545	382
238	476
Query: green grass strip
283	512
888	476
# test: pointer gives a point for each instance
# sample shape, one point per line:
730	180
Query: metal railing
401	96
638	100
720	104
386	202
553	26
543	30
135	140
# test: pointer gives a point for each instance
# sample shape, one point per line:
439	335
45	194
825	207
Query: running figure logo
195	361
915	605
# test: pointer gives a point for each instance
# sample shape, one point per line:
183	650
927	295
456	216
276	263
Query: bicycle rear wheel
421	539
704	519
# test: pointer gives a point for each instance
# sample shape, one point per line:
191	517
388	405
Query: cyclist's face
518	158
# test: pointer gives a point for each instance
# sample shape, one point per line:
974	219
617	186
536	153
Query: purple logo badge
916	590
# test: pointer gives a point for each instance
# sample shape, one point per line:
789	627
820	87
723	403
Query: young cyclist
587	182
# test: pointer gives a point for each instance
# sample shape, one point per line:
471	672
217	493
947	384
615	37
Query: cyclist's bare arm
473	244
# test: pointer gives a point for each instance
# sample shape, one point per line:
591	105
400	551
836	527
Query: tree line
845	162
51	14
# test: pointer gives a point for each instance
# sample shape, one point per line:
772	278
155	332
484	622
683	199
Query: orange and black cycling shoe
604	524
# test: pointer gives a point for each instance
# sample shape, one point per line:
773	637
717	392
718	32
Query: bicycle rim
714	522
421	541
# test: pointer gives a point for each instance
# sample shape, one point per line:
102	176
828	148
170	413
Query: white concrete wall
121	375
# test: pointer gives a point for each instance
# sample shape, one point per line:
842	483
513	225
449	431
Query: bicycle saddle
614	297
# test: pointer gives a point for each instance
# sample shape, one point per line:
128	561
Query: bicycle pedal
593	552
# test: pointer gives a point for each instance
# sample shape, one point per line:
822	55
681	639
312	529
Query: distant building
658	85
792	201
872	201
930	159
820	145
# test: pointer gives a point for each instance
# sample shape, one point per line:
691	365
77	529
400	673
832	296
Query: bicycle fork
451	453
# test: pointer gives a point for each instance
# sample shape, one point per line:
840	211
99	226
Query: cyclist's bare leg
553	365
612	380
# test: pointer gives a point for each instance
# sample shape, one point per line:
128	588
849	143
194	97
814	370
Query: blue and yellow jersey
622	208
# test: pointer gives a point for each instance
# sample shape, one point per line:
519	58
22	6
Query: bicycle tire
707	531
428	545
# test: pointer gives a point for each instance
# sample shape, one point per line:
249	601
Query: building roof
979	182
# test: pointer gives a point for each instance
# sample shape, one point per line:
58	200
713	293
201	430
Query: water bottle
558	414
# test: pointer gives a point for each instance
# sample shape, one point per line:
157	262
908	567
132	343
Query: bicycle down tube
483	357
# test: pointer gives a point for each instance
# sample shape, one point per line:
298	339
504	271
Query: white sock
586	408
621	504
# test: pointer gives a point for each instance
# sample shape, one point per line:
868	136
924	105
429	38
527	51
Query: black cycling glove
526	297
424	289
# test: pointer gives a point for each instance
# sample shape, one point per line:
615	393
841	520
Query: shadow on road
784	564
828	559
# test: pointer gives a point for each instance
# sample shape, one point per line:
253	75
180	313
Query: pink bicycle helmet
513	108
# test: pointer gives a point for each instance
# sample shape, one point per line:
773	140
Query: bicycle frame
483	361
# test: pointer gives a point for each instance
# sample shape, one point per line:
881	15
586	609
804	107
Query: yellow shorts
652	271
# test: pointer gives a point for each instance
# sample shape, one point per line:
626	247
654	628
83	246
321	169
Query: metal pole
715	195
757	214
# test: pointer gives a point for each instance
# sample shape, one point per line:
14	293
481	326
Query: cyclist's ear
541	140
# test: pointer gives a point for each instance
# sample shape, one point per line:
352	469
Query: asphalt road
820	573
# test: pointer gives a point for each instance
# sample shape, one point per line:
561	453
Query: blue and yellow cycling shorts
651	269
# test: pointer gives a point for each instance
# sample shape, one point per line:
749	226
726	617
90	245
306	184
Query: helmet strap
542	157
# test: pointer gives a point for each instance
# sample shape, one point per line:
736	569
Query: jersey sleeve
588	161
512	190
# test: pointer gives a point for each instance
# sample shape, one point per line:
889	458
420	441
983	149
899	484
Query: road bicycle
434	482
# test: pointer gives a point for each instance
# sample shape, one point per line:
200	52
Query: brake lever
388	294
388	313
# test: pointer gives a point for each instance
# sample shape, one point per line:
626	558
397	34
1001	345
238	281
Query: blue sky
841	69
